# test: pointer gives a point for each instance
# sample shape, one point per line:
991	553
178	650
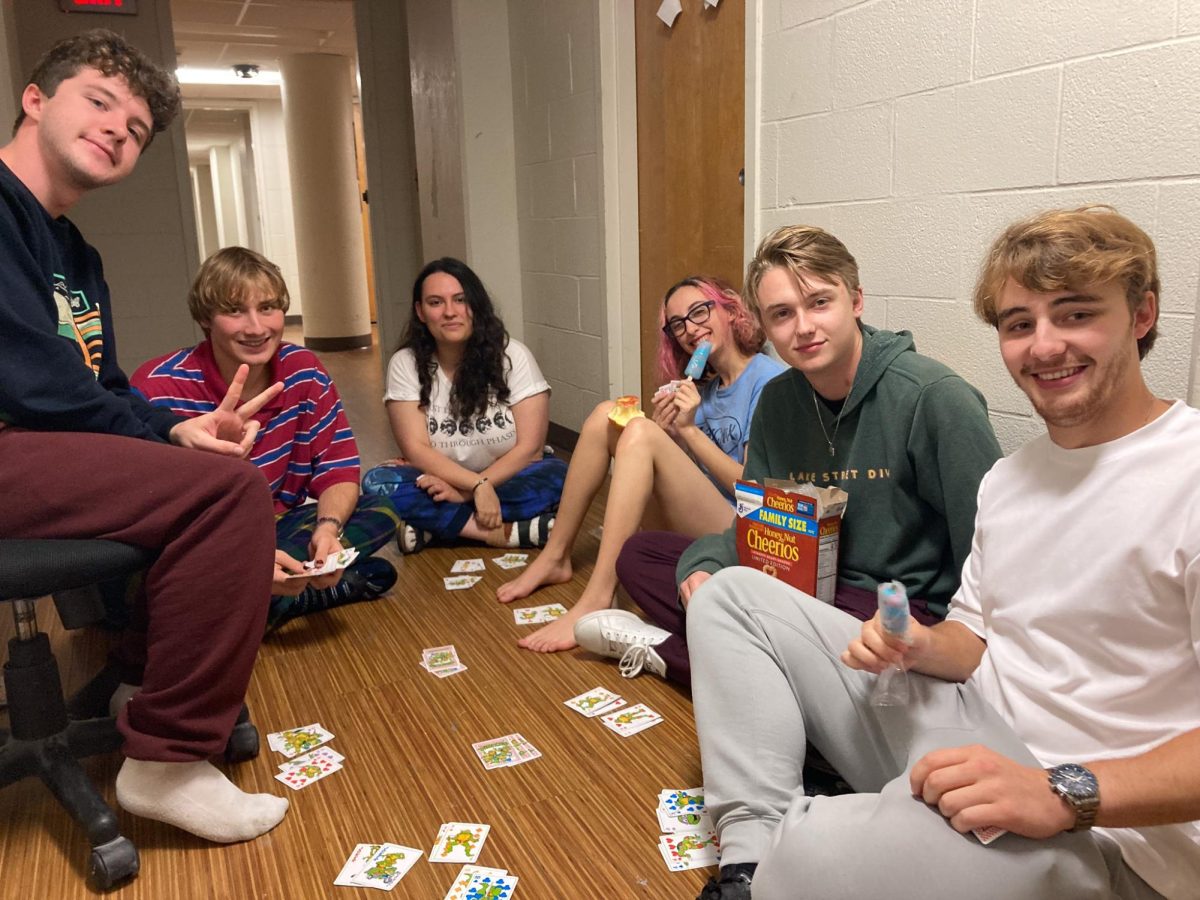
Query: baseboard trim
353	342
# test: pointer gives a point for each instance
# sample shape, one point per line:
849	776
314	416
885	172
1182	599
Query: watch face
1075	781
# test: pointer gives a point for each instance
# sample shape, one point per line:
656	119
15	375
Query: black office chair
49	734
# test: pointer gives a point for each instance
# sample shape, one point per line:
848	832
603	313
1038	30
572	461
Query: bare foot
545	569
560	634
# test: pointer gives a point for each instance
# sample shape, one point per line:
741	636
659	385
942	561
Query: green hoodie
912	445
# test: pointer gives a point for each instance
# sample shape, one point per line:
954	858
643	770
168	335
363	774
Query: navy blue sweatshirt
58	359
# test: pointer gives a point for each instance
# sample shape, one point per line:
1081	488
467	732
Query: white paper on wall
668	11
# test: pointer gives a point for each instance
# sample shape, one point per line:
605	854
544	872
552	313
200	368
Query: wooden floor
578	823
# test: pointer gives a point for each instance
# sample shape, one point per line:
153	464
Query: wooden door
690	133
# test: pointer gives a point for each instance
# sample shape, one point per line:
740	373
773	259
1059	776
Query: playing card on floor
386	867
629	721
490	887
495	753
460	582
595	702
295	741
689	851
355	863
434	658
446	671
321	753
511	560
459	842
466	565
297	777
467	874
676	824
677	801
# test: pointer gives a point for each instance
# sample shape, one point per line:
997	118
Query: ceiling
216	34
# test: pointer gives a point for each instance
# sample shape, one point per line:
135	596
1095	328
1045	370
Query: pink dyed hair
747	335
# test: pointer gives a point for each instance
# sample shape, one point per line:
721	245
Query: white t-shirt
1084	579
480	441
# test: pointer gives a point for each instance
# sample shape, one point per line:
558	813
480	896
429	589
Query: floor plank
577	823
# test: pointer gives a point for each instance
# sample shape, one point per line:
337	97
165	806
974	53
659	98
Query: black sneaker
732	884
364	580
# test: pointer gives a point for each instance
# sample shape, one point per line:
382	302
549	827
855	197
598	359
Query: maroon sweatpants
210	519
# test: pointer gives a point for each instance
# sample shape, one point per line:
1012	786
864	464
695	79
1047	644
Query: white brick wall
555	101
916	129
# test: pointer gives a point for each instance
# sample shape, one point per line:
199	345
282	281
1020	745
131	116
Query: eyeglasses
697	315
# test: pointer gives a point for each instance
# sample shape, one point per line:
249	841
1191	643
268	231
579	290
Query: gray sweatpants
766	677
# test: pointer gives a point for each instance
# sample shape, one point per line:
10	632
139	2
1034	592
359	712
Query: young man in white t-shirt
1082	587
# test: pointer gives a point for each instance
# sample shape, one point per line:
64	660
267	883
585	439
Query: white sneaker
622	635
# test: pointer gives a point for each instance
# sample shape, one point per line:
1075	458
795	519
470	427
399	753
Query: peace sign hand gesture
230	429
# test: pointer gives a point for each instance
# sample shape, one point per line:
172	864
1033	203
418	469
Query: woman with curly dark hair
470	410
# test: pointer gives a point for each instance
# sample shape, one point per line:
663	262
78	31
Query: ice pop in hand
891	686
695	366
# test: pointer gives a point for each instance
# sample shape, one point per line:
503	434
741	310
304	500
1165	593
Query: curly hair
1068	249
747	334
110	54
480	374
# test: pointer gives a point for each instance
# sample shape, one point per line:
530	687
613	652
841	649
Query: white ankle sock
196	797
122	695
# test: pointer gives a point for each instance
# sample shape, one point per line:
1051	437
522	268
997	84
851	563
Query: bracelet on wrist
337	523
481	481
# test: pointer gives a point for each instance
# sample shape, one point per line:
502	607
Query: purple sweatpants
646	569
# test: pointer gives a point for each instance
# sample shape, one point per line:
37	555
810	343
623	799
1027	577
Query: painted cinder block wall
915	130
557	136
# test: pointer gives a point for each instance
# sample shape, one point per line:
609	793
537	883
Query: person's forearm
338	501
433	462
951	651
1158	787
510	464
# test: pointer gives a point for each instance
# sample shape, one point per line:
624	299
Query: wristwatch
1079	789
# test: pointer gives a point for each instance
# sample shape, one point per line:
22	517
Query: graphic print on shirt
726	433
499	419
79	322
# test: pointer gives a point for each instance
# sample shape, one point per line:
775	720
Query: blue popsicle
695	366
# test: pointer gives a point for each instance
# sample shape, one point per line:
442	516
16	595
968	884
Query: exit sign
127	7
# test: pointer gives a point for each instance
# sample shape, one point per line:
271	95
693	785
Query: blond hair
1070	249
800	249
226	277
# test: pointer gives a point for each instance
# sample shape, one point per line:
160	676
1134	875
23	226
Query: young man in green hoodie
904	436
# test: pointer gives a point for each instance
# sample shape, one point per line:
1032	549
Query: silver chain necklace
836	422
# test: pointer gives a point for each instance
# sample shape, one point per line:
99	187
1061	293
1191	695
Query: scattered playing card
386	867
459	842
629	721
677	801
446	671
510	750
677	824
294	741
988	833
301	776
689	851
536	615
434	658
321	753
467	875
490	887
595	702
356	863
511	560
467	565
460	582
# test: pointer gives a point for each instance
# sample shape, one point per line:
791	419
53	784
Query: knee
640	432
384	479
597	419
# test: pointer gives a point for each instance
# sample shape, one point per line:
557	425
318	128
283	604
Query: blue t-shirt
724	413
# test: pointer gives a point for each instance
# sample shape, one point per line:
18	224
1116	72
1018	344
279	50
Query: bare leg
588	469
648	465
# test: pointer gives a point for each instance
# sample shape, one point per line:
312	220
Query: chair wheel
243	743
113	862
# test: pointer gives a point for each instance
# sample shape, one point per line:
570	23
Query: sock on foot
198	798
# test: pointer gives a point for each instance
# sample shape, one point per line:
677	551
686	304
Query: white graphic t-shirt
477	442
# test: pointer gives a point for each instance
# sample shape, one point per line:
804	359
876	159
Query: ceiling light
245	70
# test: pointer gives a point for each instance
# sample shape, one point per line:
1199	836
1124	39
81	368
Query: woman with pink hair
674	469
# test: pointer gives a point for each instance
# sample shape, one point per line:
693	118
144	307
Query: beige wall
915	130
144	227
556	114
